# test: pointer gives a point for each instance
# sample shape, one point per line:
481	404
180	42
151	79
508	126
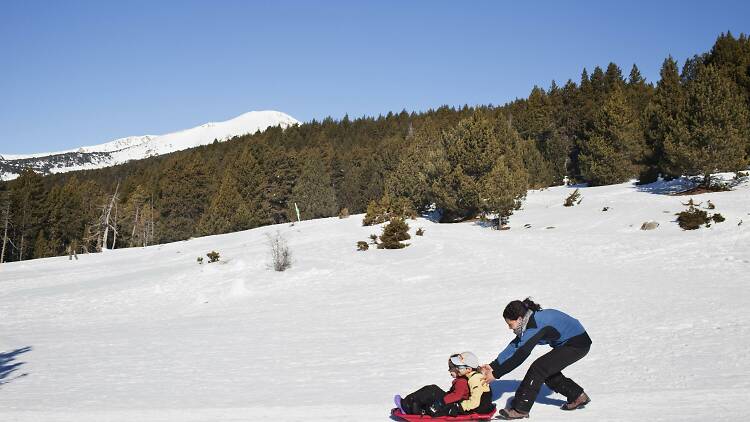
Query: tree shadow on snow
8	365
501	387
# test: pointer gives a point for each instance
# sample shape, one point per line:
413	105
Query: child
469	392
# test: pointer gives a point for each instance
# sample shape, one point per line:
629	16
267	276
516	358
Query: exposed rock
649	225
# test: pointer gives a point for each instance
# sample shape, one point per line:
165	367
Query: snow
147	334
138	147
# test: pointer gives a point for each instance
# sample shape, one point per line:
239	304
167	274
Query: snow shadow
509	387
8	365
671	187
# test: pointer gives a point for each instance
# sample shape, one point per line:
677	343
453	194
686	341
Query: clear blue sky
76	73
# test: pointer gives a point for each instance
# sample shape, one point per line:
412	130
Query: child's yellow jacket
477	387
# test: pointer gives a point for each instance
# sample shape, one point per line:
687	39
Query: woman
533	326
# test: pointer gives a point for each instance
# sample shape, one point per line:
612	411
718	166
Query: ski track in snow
147	334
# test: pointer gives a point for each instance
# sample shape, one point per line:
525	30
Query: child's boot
397	402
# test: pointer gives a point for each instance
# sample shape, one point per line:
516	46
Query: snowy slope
138	147
150	335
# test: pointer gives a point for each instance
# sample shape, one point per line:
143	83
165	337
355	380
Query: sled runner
395	412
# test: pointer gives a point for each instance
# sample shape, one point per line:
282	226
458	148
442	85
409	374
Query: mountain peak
130	148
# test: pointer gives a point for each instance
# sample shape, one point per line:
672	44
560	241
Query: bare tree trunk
5	231
151	223
114	229
20	250
135	224
106	218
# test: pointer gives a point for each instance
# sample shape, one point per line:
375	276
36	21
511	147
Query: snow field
148	334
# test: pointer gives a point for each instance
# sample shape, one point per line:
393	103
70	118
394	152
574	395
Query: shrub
387	208
573	198
718	218
200	260
362	246
281	257
393	233
420	232
344	213
692	218
710	205
213	256
374	239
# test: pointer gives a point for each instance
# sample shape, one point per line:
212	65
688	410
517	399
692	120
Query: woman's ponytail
530	304
517	309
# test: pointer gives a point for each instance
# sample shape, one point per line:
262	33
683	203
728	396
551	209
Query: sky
78	73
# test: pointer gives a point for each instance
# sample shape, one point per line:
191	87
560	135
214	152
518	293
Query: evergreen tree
183	196
423	163
731	57
313	193
614	146
713	130
27	192
663	114
65	219
393	233
613	78
240	202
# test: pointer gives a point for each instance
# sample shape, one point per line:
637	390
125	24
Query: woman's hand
487	372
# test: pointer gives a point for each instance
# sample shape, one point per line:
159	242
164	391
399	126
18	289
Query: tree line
467	161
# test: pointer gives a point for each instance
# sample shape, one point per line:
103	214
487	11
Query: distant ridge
130	148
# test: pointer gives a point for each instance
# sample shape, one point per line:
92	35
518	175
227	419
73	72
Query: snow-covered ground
150	335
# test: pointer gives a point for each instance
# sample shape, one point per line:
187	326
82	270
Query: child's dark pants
417	402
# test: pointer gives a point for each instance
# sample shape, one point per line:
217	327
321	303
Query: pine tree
613	78
183	197
313	193
422	164
27	192
393	233
713	131
664	113
615	144
254	209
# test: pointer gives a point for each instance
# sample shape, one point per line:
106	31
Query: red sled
396	413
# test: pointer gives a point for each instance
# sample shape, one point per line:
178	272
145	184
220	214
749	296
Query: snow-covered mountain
148	334
138	147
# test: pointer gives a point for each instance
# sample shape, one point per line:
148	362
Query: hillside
130	148
147	334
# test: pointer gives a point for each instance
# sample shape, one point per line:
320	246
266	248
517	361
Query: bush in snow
692	218
420	232
281	257
362	246
200	260
387	208
374	239
718	218
573	198
213	256
393	233
344	213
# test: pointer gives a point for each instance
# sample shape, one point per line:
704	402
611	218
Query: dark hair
517	309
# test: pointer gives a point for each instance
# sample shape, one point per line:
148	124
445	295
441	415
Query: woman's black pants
546	370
